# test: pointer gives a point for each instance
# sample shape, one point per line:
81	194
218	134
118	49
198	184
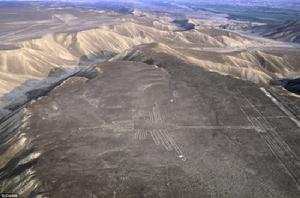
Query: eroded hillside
216	50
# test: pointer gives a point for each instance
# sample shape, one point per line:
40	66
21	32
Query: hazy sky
256	2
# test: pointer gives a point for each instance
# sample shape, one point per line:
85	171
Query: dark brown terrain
141	107
137	130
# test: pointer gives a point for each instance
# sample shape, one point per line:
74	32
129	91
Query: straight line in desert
207	127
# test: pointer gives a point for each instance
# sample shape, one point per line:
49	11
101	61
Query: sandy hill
222	51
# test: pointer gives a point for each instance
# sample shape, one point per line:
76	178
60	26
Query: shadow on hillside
13	119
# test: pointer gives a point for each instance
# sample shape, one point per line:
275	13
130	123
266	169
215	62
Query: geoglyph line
158	130
154	137
136	134
144	134
166	140
280	149
140	134
282	107
215	127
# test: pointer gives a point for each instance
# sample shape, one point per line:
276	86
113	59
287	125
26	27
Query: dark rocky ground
139	130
